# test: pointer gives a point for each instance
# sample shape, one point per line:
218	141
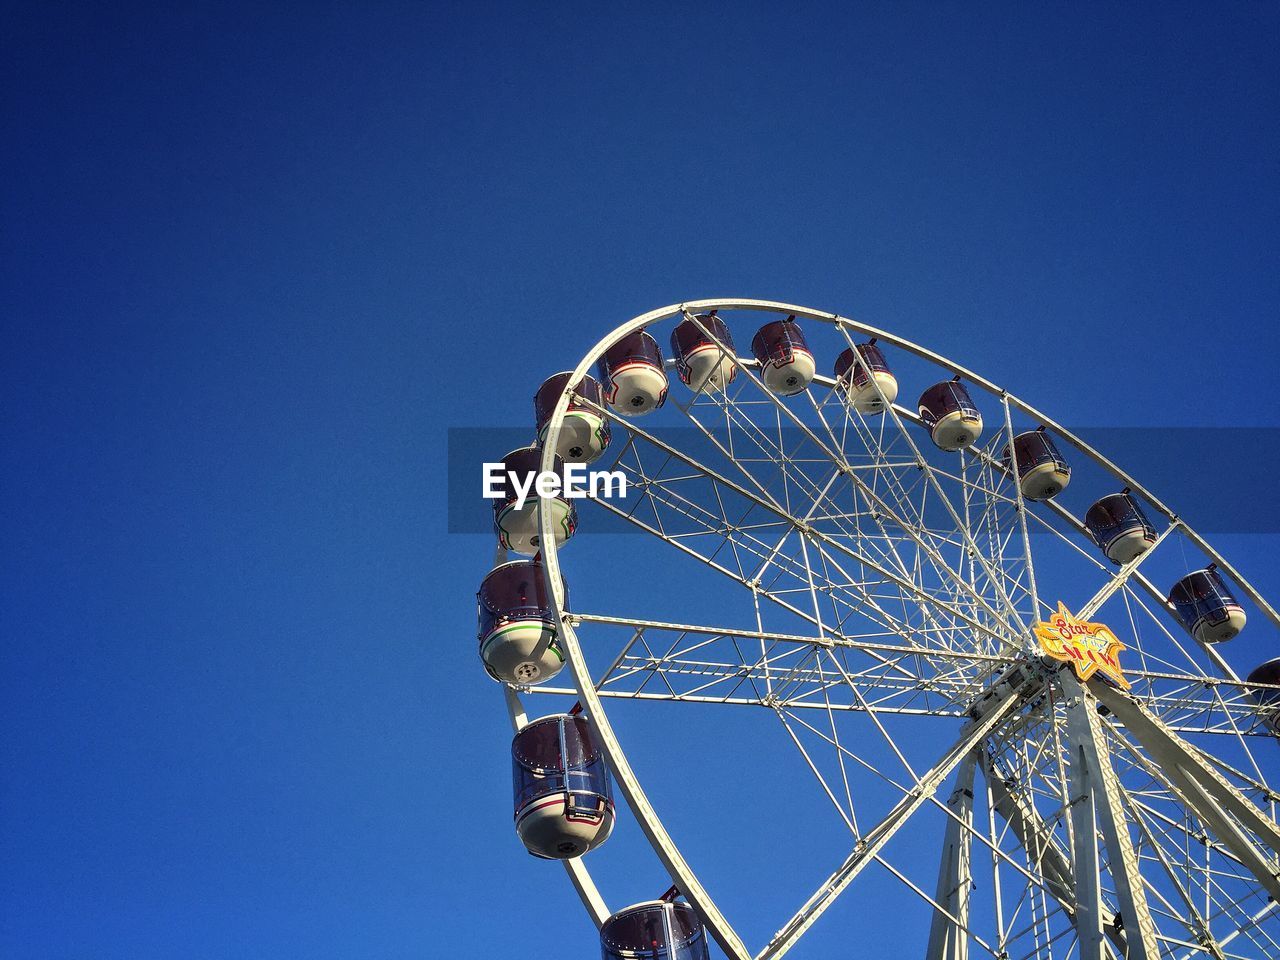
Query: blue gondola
786	362
1206	607
563	799
656	930
517	629
868	384
1118	525
950	416
1043	472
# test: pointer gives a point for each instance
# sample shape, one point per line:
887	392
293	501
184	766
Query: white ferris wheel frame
1207	791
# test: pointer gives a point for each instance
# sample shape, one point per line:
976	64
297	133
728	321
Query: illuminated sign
1088	647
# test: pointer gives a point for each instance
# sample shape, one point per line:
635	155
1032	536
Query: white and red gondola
1268	697
516	522
519	642
1120	528
584	432
632	376
865	378
950	415
786	362
703	351
1043	472
1206	607
654	930
563	797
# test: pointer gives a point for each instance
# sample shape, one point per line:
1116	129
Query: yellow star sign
1088	647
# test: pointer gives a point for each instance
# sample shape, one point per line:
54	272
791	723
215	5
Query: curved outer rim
681	873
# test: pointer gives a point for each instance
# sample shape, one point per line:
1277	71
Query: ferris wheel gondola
563	798
703	351
863	372
516	521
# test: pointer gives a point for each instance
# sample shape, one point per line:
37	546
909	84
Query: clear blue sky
258	259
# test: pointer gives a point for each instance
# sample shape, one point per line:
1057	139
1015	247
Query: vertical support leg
1096	808
948	936
1084	857
1036	837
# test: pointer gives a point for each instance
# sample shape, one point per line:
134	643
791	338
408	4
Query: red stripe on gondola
525	811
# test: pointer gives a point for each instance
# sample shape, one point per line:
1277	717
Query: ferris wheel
961	620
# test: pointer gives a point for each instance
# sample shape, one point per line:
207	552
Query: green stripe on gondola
553	646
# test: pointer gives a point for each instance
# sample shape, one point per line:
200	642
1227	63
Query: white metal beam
1096	807
1043	852
1222	808
1169	748
948	939
973	734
